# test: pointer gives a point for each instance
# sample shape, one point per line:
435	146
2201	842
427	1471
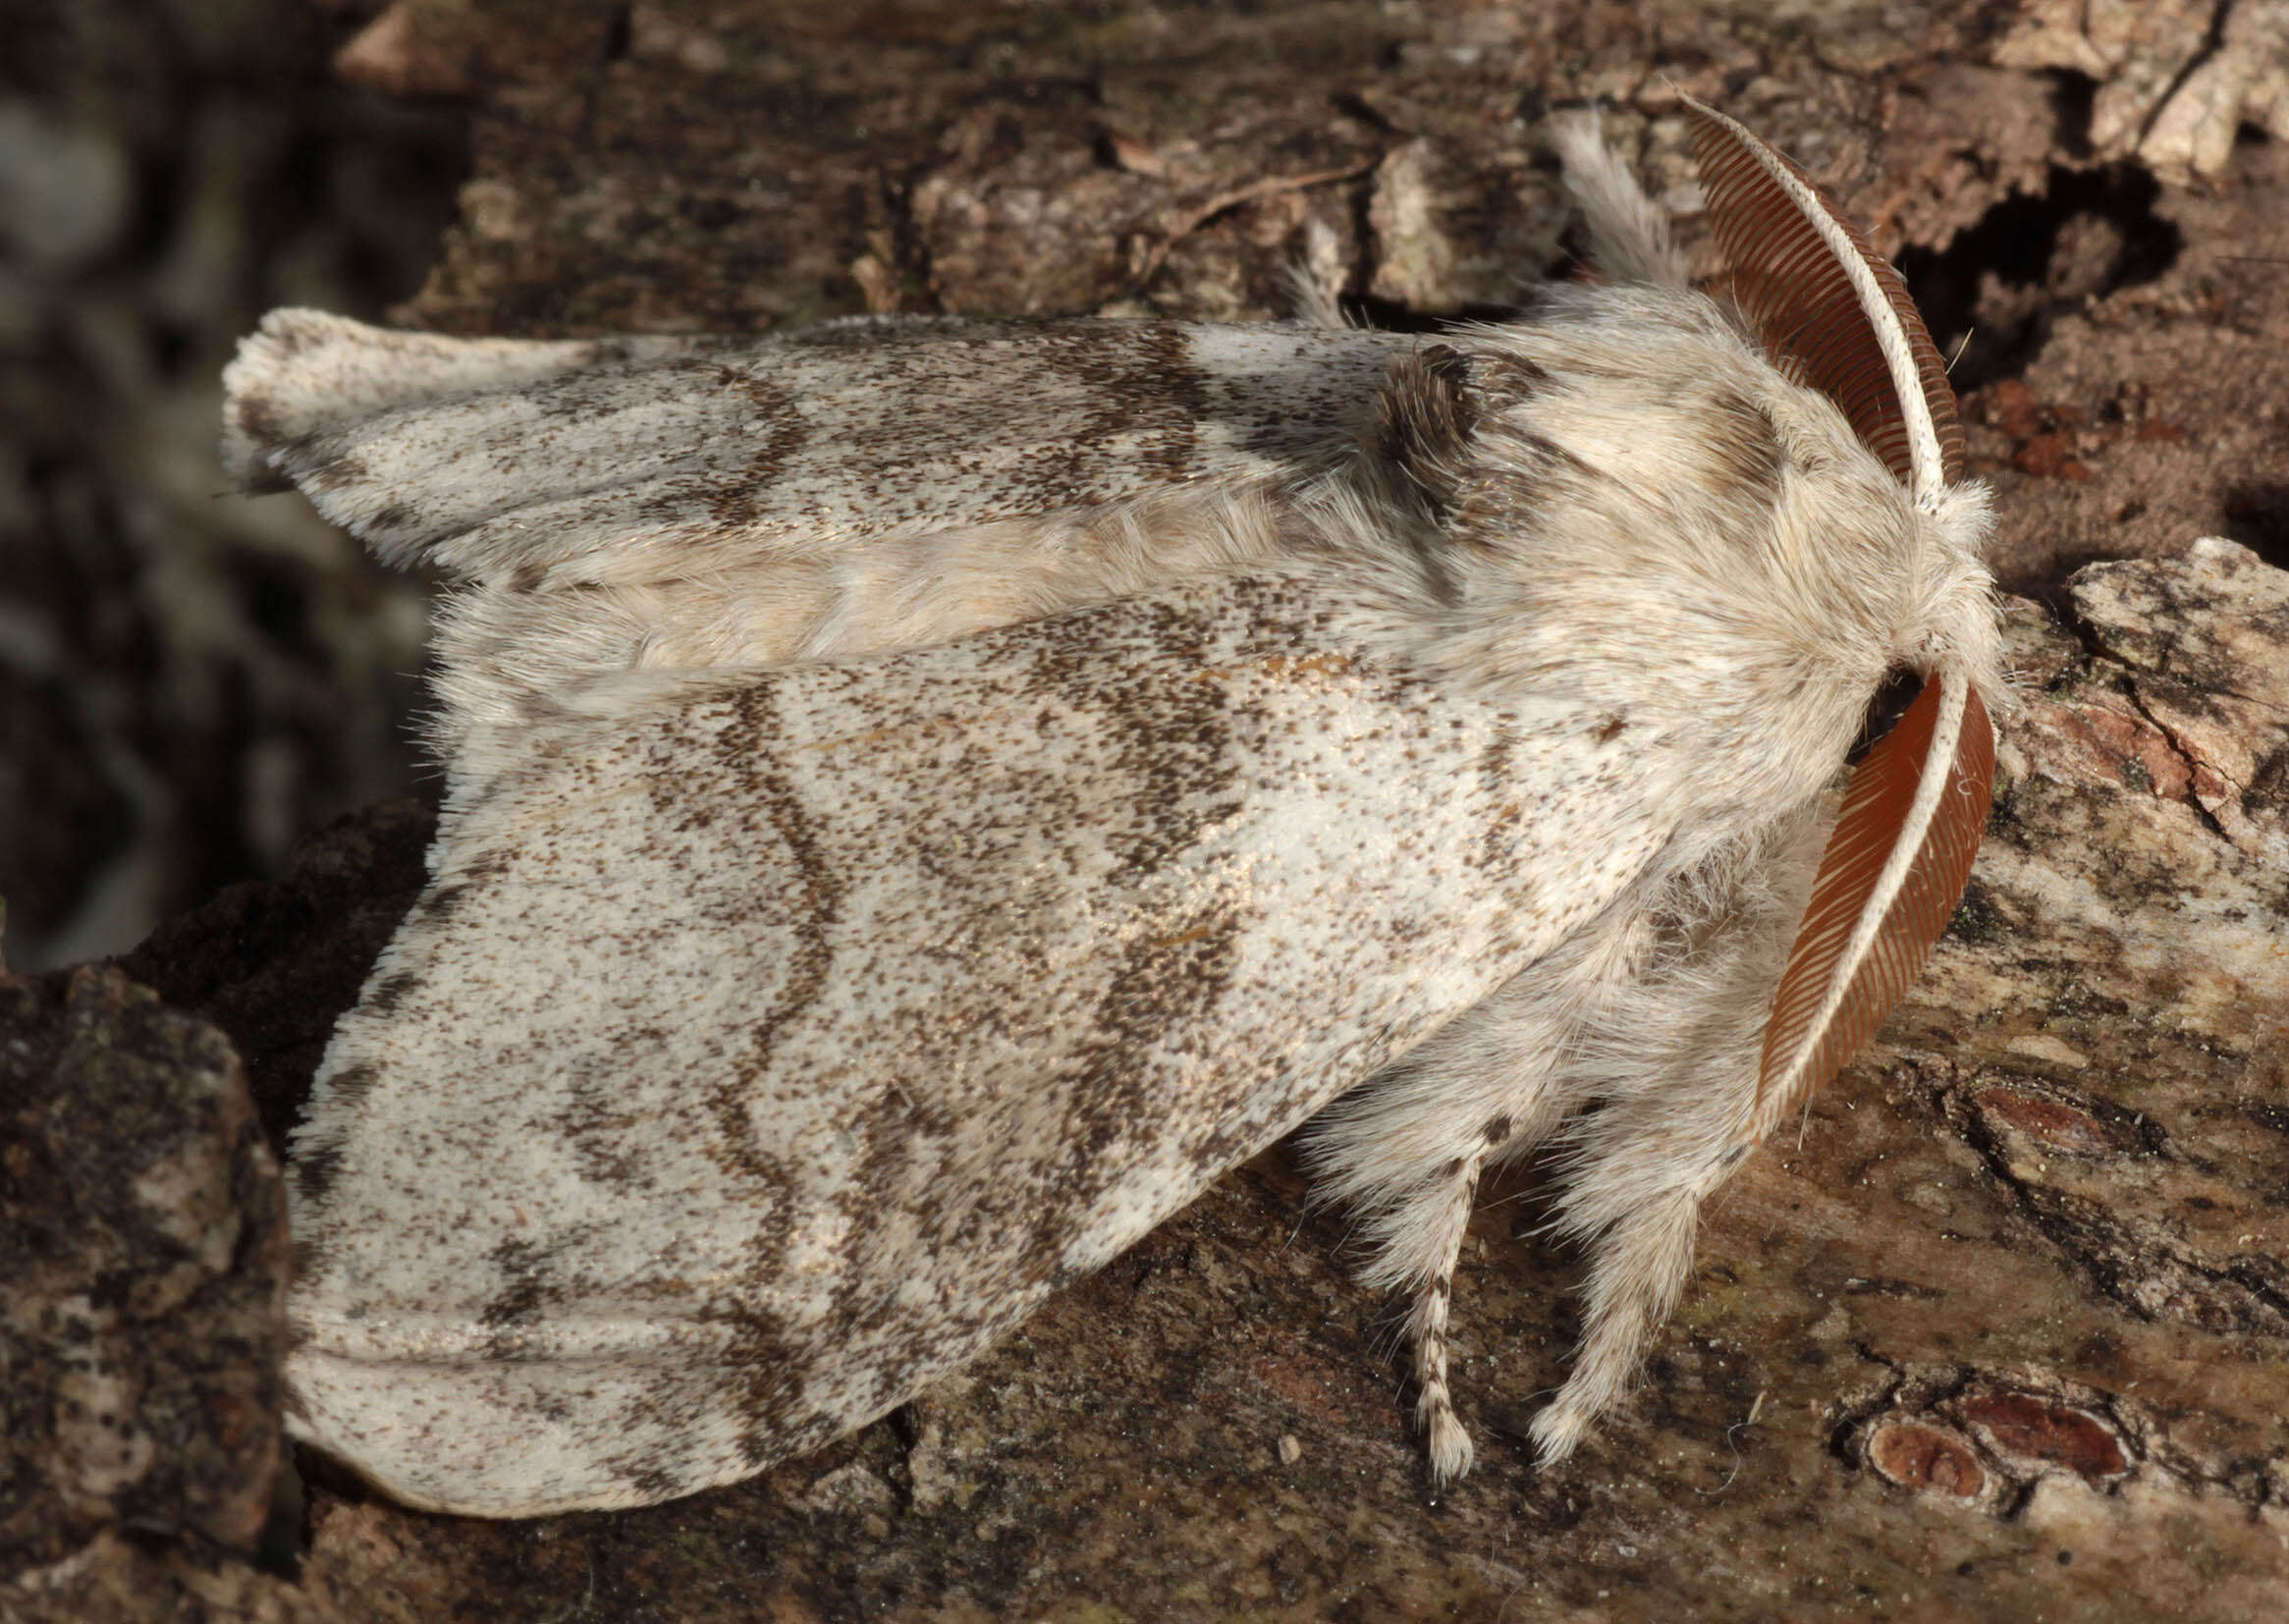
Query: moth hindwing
925	798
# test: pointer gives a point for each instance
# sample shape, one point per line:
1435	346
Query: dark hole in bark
2003	281
2257	514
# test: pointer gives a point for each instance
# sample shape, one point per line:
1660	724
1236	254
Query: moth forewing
845	965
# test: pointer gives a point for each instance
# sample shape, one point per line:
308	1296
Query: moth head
1833	316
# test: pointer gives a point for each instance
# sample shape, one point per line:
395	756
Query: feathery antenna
1889	880
1833	313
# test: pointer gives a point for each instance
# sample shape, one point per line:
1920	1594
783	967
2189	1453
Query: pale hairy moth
925	798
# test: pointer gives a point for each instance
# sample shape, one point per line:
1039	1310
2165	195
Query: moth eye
1885	707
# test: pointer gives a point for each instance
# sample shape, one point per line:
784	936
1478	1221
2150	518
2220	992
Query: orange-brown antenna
1832	314
1888	882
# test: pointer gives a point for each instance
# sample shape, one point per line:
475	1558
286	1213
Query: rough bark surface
2003	1333
142	1277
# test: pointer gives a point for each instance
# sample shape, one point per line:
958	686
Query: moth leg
1317	278
1639	1169
1676	1066
1642	1265
1407	1147
1445	1215
1406	1150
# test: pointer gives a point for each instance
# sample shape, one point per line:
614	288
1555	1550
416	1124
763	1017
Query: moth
925	798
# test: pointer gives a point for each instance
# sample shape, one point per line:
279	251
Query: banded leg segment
1446	1212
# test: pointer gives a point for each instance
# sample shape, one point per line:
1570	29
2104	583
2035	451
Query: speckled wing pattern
747	1066
519	459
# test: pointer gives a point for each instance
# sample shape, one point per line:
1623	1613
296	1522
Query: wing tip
287	380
